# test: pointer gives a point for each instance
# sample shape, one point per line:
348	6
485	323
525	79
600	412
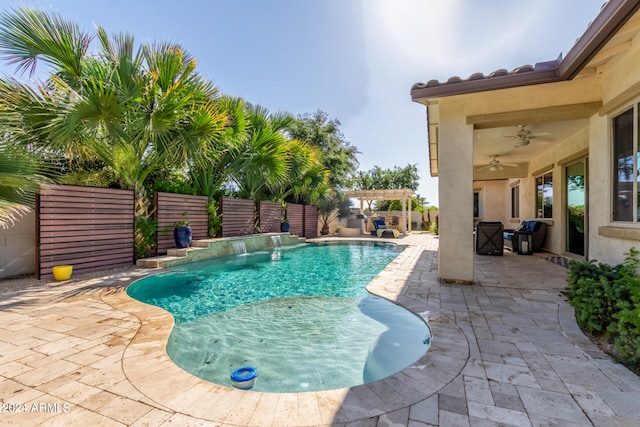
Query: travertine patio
506	351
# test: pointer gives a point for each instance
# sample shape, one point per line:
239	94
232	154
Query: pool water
300	315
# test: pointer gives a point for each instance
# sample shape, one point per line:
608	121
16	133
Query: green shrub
433	227
145	238
626	327
607	302
214	220
592	294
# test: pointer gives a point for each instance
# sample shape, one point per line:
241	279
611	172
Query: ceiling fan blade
483	168
511	165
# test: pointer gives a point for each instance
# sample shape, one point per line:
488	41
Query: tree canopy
388	179
338	156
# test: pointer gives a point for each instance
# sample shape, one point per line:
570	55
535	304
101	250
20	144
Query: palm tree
262	158
307	179
136	109
210	171
21	175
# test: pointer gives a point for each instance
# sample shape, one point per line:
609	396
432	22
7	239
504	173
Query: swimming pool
300	315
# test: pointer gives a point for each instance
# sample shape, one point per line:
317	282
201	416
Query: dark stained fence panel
270	216
295	215
89	228
170	208
238	216
310	222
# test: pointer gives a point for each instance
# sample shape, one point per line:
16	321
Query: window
515	201
625	166
476	204
544	202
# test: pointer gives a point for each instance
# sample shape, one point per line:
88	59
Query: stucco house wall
18	247
494	204
620	75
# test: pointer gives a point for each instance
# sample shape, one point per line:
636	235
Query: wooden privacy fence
295	215
238	217
310	221
89	228
171	207
270	214
93	228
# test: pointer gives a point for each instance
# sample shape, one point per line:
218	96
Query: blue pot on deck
182	237
285	227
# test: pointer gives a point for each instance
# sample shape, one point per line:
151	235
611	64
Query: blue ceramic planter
182	236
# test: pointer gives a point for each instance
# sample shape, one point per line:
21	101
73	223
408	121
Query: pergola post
404	214
409	207
362	223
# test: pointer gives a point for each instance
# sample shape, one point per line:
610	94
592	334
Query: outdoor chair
489	238
537	230
381	229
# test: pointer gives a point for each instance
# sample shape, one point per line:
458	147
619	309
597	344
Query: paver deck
505	351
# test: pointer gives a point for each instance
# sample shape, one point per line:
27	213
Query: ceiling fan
495	165
524	136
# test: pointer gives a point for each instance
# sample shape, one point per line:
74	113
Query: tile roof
612	16
542	72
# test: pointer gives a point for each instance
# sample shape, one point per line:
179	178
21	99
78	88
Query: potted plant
284	222
182	232
285	226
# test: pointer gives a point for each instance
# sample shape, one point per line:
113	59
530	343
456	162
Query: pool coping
150	370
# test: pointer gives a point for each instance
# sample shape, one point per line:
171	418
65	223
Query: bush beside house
606	300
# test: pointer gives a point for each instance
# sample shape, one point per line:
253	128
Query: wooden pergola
376	195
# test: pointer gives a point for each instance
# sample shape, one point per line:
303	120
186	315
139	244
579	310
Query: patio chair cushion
379	224
381	228
538	231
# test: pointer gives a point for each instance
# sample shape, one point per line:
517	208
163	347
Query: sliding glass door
576	208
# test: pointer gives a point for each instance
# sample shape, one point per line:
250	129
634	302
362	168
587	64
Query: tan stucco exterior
18	247
605	86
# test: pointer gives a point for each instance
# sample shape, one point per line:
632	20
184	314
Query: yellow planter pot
62	272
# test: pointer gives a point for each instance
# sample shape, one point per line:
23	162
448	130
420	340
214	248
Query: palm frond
27	35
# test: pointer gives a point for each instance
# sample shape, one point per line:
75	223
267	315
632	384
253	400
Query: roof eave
613	15
421	91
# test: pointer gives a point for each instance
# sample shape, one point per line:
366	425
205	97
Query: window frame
616	216
540	208
515	201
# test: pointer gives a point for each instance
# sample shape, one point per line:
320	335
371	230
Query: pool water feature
277	241
301	316
239	246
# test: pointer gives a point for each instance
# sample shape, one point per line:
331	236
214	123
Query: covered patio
543	142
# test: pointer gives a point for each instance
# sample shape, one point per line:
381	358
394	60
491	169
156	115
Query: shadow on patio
527	362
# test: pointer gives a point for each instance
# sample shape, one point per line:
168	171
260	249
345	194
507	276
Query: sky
356	60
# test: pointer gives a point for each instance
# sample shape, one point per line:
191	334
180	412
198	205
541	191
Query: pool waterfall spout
277	241
239	246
